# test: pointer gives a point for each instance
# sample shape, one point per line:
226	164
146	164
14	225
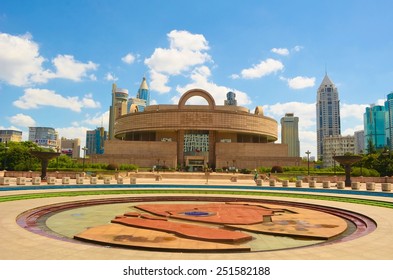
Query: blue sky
58	59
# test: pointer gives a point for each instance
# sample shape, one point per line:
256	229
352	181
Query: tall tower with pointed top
143	92
328	113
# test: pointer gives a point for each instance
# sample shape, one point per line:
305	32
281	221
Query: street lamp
84	157
57	158
308	162
233	166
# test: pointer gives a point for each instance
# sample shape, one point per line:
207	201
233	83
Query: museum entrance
196	150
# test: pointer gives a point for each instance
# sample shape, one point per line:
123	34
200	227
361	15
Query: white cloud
186	50
19	59
280	51
98	120
300	82
351	131
353	110
74	132
184	40
110	77
297	48
69	68
22	120
22	64
128	58
34	98
264	68
159	82
200	79
305	111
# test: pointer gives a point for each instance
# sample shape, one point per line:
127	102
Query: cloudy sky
58	59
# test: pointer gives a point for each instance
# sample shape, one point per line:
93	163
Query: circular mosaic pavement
196	224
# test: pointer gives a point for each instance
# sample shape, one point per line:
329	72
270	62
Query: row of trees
17	156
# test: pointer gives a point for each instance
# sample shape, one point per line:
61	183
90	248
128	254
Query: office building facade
328	113
8	135
359	142
71	147
45	137
337	146
290	134
95	141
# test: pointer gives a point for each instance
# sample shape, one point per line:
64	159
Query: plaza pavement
20	244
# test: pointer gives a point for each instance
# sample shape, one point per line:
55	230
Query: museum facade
196	136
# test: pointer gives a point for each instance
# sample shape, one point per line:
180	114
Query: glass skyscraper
389	120
328	113
95	141
374	127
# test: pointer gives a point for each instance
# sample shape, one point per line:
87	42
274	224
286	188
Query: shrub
112	166
245	171
276	169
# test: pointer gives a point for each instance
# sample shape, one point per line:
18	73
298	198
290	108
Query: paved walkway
20	244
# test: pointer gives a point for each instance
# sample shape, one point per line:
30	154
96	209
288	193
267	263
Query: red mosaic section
186	230
219	213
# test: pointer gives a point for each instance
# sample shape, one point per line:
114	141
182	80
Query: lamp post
308	162
57	159
233	166
84	157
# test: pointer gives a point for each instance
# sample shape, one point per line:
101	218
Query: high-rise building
389	120
8	135
143	92
71	147
328	113
231	99
374	127
142	99
290	134
95	141
46	137
337	146
359	142
118	107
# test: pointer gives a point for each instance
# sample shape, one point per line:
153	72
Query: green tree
16	156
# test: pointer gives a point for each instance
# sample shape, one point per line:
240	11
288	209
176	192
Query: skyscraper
328	113
374	127
290	134
143	92
95	141
118	107
141	100
389	120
